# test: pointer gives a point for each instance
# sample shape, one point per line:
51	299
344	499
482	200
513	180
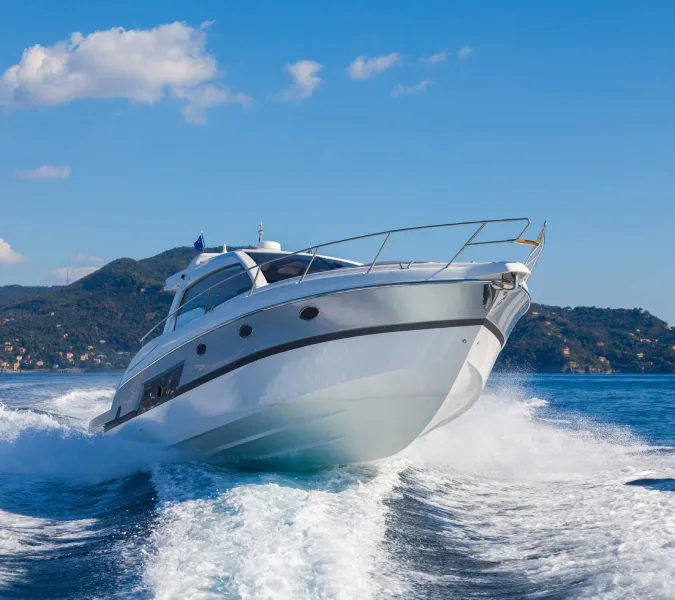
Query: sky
126	128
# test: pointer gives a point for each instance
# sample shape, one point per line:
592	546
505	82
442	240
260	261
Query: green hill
588	339
9	293
97	322
98	319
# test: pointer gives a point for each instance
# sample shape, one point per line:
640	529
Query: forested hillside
588	339
97	322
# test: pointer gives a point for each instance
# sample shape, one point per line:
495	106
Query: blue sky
248	111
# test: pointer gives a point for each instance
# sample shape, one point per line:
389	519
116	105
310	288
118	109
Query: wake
510	500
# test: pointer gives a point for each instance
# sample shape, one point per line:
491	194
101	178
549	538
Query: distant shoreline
500	372
60	371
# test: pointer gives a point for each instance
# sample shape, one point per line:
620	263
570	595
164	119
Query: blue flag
199	244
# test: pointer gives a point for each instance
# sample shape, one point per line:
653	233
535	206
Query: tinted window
235	281
193	305
225	284
293	266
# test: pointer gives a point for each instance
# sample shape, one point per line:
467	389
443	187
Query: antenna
67	275
260	232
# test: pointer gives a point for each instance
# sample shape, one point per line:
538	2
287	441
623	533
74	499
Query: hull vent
160	389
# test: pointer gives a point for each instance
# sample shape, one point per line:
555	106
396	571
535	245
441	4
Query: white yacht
293	360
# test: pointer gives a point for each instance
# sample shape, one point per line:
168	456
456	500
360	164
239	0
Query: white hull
346	401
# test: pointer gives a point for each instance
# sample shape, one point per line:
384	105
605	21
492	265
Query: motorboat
299	359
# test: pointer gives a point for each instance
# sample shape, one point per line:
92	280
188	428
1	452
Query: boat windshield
289	266
211	291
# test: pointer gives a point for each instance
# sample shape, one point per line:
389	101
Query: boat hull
374	371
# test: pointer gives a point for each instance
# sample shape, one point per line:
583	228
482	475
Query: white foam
42	449
269	536
550	502
38	444
22	535
14	422
81	405
545	499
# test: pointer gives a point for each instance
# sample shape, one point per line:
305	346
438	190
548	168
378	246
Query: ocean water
549	487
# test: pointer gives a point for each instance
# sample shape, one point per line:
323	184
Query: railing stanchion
255	280
467	243
311	260
378	253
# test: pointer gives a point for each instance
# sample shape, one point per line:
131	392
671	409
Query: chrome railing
537	248
530	261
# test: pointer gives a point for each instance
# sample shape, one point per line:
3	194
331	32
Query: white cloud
304	80
141	65
45	172
435	58
204	97
8	256
365	68
406	90
71	274
82	257
464	52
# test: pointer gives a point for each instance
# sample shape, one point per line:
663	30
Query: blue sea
549	487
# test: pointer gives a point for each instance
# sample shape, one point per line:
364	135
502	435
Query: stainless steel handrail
535	254
532	257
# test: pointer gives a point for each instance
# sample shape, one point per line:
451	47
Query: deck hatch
161	389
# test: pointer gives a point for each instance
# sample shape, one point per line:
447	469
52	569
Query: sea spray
544	507
227	534
34	442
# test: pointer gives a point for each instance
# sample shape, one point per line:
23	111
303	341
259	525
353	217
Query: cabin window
293	265
222	286
234	280
193	305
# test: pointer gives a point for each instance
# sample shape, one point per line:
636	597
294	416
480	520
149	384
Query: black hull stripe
123	419
320	339
494	330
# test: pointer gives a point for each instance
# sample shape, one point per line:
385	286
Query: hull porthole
309	312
